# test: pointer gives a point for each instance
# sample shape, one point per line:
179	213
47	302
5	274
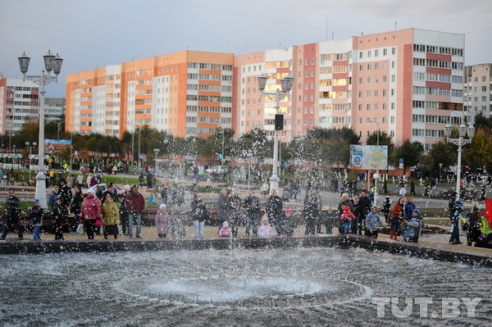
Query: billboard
369	157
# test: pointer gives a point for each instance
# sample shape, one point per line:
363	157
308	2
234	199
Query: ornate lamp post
286	84
460	141
30	146
51	63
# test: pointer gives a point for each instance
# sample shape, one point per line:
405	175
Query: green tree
441	153
384	139
478	154
410	152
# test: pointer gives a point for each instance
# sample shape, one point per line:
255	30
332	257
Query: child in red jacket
346	218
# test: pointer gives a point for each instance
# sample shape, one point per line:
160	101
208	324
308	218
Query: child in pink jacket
225	231
265	229
162	221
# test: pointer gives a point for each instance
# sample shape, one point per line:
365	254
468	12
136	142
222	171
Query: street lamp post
440	167
51	63
14	156
30	146
58	129
156	151
286	84
138	148
223	154
460	141
376	175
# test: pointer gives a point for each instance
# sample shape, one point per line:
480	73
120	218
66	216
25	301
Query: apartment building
19	103
187	93
407	83
478	89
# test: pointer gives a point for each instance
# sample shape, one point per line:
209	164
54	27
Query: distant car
215	169
103	187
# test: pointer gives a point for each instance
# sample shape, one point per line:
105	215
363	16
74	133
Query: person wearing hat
91	211
162	221
386	209
36	214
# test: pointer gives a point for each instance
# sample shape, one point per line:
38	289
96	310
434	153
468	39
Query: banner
369	157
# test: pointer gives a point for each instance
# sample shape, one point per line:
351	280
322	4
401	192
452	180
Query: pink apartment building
407	83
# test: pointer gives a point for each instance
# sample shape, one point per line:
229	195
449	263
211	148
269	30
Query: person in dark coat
455	233
364	209
274	206
60	214
252	205
12	216
386	209
76	205
65	192
36	214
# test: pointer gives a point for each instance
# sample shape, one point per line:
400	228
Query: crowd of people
99	212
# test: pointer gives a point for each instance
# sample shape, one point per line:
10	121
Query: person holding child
346	218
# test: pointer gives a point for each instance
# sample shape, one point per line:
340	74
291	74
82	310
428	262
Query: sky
95	33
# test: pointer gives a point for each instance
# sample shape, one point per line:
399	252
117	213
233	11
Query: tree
478	154
384	139
441	152
482	121
331	146
410	152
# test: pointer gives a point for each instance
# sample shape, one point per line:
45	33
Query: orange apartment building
185	93
407	83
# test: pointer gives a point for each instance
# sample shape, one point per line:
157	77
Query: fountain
233	286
